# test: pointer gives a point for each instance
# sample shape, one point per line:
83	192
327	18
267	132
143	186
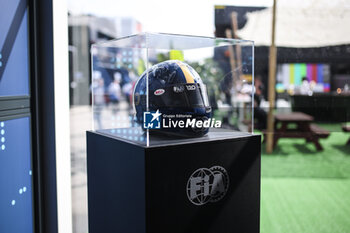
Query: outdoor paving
80	121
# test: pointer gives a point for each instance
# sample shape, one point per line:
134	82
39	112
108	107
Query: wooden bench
318	132
346	128
304	128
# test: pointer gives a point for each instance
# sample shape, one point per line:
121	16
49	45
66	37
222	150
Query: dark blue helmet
175	89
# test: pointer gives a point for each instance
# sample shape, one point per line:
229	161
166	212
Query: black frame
43	118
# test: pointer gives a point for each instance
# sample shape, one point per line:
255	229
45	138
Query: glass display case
155	88
173	122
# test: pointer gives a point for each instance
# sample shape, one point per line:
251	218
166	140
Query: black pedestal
209	184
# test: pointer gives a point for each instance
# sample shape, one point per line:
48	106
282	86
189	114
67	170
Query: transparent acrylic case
143	86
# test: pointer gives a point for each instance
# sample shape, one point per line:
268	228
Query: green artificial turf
293	205
304	190
295	158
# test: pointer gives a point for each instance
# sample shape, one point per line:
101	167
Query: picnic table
304	128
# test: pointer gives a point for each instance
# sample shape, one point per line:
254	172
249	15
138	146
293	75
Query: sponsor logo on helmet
207	185
178	89
191	87
159	92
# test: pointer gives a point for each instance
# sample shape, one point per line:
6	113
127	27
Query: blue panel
16	206
320	73
14	59
7	12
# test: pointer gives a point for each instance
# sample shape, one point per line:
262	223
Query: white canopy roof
301	23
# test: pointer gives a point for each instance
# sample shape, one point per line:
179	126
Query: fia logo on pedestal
207	185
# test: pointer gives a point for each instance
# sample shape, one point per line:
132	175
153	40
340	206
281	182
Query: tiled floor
80	121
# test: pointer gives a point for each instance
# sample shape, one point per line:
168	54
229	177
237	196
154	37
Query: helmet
175	89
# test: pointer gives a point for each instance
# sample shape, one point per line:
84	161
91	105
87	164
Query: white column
61	90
